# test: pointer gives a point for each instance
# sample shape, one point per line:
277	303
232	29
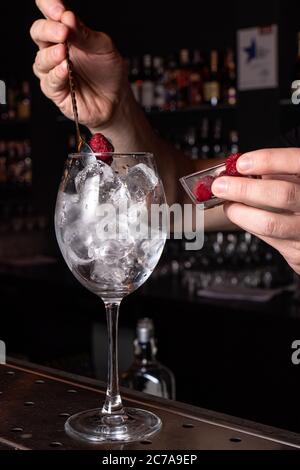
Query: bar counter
36	401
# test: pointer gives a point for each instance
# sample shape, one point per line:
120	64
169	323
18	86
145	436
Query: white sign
258	58
2	353
2	92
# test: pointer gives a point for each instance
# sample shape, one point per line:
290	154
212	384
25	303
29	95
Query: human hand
268	207
100	72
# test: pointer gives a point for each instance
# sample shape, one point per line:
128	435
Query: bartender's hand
279	189
101	75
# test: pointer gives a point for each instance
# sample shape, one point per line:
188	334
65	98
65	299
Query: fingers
47	59
55	82
85	38
264	223
52	9
270	161
44	32
253	192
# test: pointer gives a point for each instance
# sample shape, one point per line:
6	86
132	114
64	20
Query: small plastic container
189	182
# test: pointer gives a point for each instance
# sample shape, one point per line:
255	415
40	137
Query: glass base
94	426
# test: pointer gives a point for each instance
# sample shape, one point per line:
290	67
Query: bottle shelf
205	108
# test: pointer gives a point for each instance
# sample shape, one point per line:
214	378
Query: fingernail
57	11
244	163
220	186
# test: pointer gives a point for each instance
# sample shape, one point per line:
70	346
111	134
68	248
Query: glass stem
113	401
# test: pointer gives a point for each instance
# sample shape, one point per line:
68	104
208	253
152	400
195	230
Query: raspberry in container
198	185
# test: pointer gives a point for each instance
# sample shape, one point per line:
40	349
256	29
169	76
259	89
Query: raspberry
202	190
100	144
231	165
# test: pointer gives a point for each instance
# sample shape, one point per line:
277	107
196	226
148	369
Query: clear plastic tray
189	182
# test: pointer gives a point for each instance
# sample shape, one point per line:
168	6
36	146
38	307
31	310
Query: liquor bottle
159	84
190	143
24	102
183	78
171	83
229	93
211	88
12	102
146	374
195	97
135	78
217	144
27	163
233	141
205	149
147	90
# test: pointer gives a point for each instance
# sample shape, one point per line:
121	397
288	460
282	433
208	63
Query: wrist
128	130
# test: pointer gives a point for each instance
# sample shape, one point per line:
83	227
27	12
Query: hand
100	72
256	199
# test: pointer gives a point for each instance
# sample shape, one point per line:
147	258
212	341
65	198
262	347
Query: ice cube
114	191
77	242
149	251
138	219
87	184
140	180
67	208
89	172
112	251
107	276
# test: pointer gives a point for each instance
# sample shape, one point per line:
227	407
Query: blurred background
224	317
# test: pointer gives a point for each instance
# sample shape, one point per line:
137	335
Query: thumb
85	38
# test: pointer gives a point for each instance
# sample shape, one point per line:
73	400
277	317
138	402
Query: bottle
159	84
135	78
171	83
147	90
12	102
24	102
146	374
233	142
191	144
27	163
205	150
195	94
217	139
211	88
183	78
229	93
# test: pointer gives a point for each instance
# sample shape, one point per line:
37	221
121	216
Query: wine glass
111	242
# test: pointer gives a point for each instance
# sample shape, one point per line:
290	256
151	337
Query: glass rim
111	154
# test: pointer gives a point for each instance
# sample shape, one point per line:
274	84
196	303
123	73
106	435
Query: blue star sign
251	50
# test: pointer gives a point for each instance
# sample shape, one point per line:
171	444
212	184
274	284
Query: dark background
232	357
